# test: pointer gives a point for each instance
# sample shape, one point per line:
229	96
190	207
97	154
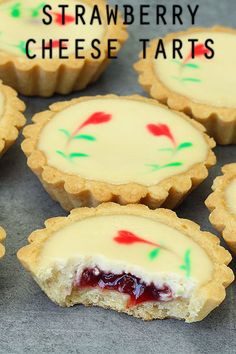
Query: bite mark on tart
108	257
222	203
11	117
198	86
92	141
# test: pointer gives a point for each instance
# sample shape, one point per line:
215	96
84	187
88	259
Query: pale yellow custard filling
207	81
121	141
22	20
230	196
157	253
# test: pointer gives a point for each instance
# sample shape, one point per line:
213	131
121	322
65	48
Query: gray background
29	322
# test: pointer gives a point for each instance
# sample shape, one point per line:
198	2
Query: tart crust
205	299
220	122
44	77
12	120
2	238
221	217
73	191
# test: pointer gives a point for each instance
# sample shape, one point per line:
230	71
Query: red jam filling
128	284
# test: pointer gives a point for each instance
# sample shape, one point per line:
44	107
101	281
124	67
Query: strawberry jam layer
128	284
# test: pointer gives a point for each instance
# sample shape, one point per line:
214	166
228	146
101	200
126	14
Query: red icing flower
199	50
127	237
95	118
161	130
59	19
55	44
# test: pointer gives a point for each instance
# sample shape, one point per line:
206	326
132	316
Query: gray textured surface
29	322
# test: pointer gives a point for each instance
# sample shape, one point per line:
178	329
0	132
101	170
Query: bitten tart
60	73
123	149
2	238
203	88
11	117
222	204
149	264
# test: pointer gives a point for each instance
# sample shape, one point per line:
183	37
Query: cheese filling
136	256
121	141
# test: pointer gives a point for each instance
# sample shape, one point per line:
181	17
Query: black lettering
112	14
63	13
145	43
128	15
62	47
177	12
193	13
160	49
27	50
47	47
111	48
95	15
143	14
78	48
177	46
161	11
46	12
79	14
212	52
97	49
193	41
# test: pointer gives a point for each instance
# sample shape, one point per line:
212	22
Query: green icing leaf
187	263
85	137
184	145
61	153
36	11
64	131
190	79
172	164
154	253
74	155
192	66
15	10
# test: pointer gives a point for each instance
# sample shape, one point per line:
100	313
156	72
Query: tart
146	263
203	88
122	149
222	204
48	73
2	238
11	117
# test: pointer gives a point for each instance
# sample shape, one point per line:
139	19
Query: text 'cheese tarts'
122	149
200	84
149	264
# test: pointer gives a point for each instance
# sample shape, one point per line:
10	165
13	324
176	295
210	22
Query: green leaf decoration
190	79
167	149
65	132
154	254
187	263
61	153
16	10
74	155
36	11
172	164
22	47
184	145
84	137
192	66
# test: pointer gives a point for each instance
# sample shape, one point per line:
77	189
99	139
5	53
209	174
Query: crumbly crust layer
73	191
44	77
12	119
220	122
204	300
221	217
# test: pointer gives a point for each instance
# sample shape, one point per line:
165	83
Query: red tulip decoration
199	51
161	130
127	238
94	119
